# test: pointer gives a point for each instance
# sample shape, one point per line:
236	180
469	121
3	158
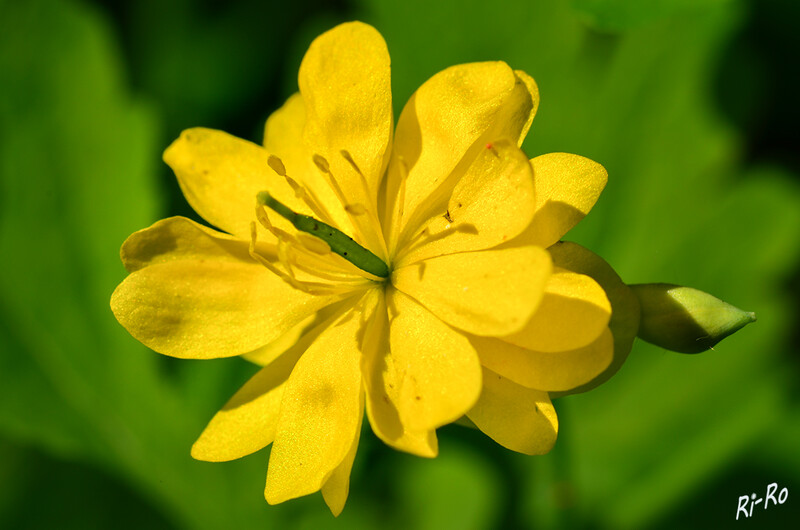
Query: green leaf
680	207
620	15
78	157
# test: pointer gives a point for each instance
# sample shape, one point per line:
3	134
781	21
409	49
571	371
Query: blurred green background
690	104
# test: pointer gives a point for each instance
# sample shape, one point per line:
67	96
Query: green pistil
339	242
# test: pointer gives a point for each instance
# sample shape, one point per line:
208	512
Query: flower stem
340	243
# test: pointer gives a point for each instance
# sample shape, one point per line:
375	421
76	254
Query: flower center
339	242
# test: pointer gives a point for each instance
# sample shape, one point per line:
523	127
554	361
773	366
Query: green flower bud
686	320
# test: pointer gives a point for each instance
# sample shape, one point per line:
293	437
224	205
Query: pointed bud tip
684	319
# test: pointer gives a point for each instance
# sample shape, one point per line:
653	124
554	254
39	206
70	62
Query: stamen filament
307	287
372	208
396	220
312	252
340	243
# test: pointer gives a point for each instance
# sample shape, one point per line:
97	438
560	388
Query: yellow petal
516	417
382	385
567	186
548	371
446	123
321	410
283	137
533	90
179	238
247	422
439	376
492	203
625	315
337	487
302	331
269	352
345	82
490	292
208	309
220	176
573	313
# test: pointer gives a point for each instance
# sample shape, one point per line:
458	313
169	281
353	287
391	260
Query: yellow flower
483	312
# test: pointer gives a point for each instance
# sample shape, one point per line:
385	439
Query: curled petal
567	186
444	126
573	313
492	203
533	90
518	418
490	292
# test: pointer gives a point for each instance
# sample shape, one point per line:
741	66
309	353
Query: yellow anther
277	165
321	163
347	156
299	191
355	209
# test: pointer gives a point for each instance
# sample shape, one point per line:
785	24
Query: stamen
312	254
299	190
325	168
321	163
277	165
338	241
400	207
283	257
401	194
313	288
314	244
355	209
310	200
373	208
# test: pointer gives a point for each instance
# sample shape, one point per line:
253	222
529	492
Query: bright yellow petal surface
220	176
247	422
345	82
516	417
439	376
567	186
283	137
178	239
269	352
549	371
444	126
625	317
533	90
208	309
492	203
321	411
337	487
382	385
572	313
490	292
